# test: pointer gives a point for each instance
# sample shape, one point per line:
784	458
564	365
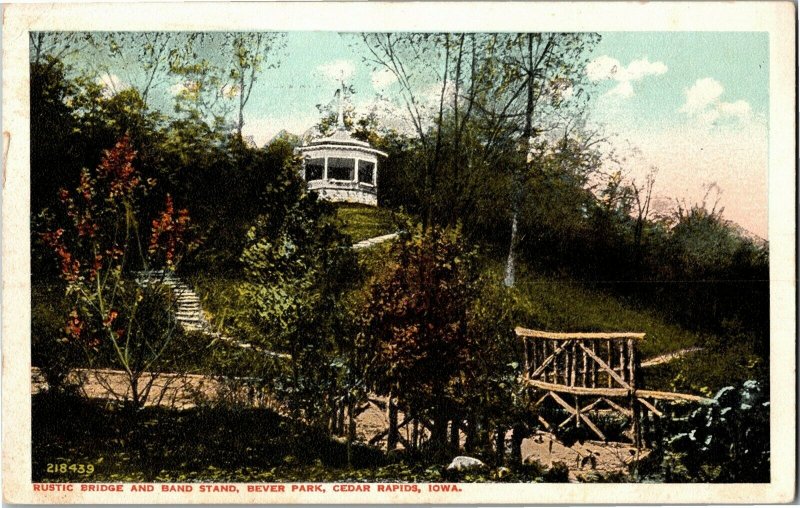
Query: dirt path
184	391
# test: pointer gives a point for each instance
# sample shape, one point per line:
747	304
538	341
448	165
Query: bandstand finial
340	116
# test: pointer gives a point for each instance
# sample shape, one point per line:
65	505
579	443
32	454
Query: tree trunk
517	435
351	432
518	191
455	438
472	434
340	421
510	276
500	444
439	431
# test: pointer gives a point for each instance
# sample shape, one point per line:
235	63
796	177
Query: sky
694	105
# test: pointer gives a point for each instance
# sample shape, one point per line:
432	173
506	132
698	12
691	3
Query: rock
463	463
532	460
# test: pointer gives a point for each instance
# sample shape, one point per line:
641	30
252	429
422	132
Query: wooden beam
631	363
617	407
563	403
592	426
573	366
652	394
526	346
617	392
569	418
549	359
577	415
605	367
651	407
539	334
579	390
592	405
541	399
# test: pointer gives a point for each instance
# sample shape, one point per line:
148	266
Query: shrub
726	441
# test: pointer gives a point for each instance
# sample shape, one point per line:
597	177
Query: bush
726	441
51	351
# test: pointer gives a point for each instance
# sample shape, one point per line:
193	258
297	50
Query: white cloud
740	109
337	70
382	79
112	84
602	68
703	93
639	69
704	105
623	89
605	68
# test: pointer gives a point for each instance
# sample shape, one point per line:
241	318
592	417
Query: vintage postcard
445	253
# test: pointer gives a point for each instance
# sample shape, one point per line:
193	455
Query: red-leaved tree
117	320
416	335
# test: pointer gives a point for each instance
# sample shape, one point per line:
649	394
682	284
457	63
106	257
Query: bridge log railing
584	373
581	360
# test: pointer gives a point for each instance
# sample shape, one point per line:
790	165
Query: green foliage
212	445
727	441
51	350
297	270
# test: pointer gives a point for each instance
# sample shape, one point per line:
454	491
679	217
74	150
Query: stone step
189	315
193	322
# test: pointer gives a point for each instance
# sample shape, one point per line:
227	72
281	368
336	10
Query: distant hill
284	135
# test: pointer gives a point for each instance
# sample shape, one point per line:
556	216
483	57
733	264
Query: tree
419	63
478	104
298	270
415	335
50	48
251	53
98	241
550	69
643	196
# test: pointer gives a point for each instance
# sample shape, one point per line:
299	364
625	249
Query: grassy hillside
564	305
362	222
542	302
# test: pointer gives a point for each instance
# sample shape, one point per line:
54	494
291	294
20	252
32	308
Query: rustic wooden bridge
588	374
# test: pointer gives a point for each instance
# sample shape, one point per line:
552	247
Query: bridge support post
391	437
455	436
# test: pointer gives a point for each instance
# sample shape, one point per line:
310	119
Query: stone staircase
189	313
188	309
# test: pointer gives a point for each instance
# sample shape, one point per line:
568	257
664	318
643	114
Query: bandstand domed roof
339	137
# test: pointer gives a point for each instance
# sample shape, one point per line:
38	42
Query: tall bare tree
252	53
